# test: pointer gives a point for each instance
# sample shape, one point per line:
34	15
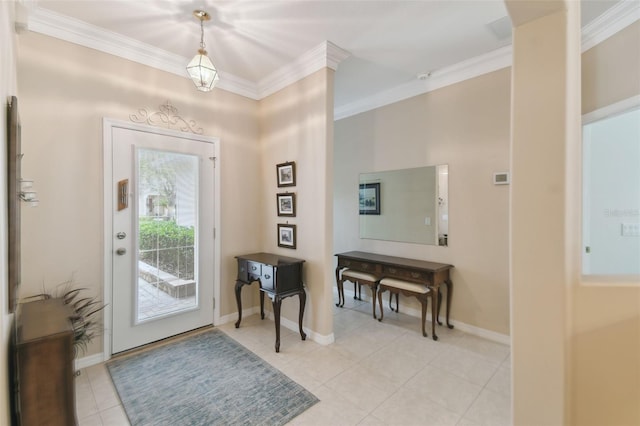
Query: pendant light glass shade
201	70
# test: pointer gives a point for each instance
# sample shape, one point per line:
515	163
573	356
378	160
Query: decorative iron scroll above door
167	116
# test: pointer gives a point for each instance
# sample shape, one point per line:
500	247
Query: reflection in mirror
408	205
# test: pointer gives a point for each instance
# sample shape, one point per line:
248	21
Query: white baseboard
88	361
234	316
284	322
505	339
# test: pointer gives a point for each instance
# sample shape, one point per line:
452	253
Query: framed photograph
369	197
286	204
286	174
286	236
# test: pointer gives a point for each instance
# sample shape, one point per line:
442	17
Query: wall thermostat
501	178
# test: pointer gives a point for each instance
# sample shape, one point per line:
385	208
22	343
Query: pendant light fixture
201	69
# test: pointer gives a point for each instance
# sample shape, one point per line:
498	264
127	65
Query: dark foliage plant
86	318
167	246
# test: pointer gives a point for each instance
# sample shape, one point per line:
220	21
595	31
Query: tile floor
374	374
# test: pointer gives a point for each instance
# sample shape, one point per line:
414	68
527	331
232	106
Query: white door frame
107	125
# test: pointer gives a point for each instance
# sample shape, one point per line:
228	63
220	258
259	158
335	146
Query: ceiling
389	43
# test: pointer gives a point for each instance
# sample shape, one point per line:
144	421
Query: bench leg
373	300
380	291
433	319
397	309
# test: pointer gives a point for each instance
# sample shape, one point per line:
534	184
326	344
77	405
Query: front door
162	238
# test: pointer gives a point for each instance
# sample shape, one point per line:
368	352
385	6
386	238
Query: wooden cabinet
43	350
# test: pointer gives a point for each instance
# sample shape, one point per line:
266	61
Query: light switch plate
501	178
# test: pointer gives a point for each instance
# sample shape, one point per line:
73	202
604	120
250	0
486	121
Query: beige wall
7	88
296	125
610	70
456	126
66	90
605	358
544	209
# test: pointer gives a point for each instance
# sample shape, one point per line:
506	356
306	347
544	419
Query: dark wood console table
431	274
279	277
44	353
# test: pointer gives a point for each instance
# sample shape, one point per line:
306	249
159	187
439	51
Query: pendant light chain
202	45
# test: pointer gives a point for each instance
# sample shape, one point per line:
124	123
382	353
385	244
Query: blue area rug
205	379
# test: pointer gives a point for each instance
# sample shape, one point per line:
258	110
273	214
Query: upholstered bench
407	288
357	278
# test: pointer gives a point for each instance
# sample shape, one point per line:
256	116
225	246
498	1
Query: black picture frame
286	174
14	157
369	198
286	235
286	204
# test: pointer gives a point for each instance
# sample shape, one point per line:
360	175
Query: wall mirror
407	205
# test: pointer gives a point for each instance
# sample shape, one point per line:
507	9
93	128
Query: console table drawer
357	265
402	273
266	279
248	270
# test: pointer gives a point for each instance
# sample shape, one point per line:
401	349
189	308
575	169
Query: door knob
121	251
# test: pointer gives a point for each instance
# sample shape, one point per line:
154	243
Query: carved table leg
449	284
380	291
339	283
277	302
239	285
435	305
423	302
433	319
262	305
438	303
303	300
373	300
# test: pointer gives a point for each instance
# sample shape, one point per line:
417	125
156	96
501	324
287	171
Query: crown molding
615	19
52	24
483	64
618	17
324	55
74	31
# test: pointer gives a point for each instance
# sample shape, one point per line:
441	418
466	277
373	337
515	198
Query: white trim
233	317
611	110
75	31
88	361
52	24
107	126
287	323
322	339
617	18
465	70
324	55
505	339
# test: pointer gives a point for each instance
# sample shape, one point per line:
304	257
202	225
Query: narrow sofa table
430	274
279	277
